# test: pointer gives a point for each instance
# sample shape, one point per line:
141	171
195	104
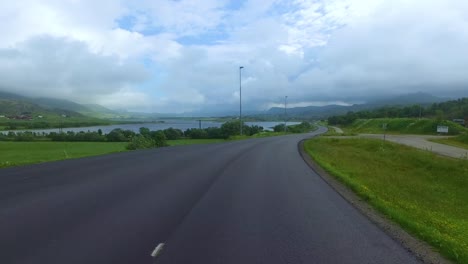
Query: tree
232	128
172	133
140	142
158	138
279	128
144	131
116	135
196	133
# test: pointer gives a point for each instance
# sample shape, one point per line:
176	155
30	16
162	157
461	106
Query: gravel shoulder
337	129
420	142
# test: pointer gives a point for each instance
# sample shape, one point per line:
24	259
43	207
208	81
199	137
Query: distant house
20	117
2	116
39	116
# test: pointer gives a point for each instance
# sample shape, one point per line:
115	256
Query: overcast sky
181	56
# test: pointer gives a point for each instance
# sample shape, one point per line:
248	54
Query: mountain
19	107
98	109
409	99
52	103
13	104
314	112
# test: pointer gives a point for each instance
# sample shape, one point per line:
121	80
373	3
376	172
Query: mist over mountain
17	104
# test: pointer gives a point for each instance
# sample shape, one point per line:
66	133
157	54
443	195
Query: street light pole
285	105
240	98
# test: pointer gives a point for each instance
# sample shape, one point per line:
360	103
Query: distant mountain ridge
13	104
330	110
16	108
59	104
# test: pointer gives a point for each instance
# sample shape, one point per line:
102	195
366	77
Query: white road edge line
157	250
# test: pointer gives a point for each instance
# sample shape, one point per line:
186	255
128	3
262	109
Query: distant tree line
228	129
144	139
300	128
147	137
446	110
22	124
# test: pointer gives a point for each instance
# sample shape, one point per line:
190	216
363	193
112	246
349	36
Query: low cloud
65	68
174	56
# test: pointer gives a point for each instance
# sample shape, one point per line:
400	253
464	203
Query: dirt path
337	130
421	142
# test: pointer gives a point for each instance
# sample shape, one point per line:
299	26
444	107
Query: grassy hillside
9	107
411	187
50	103
41	117
13	104
402	126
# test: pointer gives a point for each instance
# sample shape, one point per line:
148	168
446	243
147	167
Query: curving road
252	201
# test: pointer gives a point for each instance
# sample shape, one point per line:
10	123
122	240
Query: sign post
442	129
384	127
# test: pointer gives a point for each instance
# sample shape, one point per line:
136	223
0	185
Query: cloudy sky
181	55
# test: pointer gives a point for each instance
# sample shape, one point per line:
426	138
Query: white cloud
64	68
312	51
183	17
126	98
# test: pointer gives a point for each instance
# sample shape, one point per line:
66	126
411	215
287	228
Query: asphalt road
252	201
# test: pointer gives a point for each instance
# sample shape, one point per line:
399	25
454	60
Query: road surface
251	201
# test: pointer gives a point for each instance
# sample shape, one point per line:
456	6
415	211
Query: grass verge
13	153
450	142
460	141
424	193
402	126
22	153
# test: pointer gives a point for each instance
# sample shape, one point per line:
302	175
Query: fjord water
179	124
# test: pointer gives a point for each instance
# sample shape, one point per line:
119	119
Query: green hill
10	107
52	103
17	112
13	104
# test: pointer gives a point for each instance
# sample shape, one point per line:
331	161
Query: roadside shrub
159	138
144	131
196	133
301	128
24	136
116	135
214	132
279	128
140	142
172	133
232	128
252	130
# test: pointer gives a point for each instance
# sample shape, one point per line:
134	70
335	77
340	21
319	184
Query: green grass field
402	126
21	153
460	141
426	194
14	153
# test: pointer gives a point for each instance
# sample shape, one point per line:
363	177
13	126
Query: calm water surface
180	124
